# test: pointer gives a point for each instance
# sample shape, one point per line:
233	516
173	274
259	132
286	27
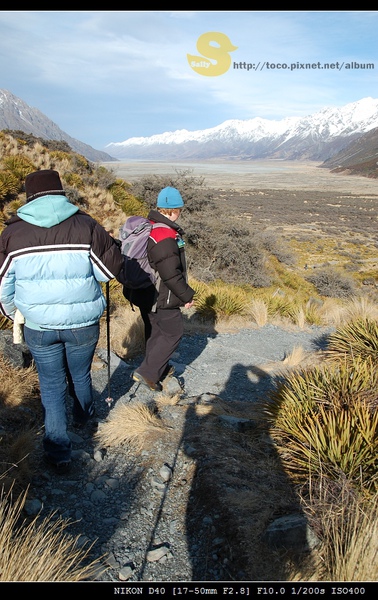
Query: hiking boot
168	372
61	468
155	387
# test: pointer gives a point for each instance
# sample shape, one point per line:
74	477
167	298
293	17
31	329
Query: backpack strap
158	236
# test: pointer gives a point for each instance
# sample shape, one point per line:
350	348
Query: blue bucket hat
169	197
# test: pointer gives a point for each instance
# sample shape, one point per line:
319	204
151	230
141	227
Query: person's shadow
234	487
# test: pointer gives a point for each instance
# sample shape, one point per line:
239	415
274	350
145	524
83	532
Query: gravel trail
140	510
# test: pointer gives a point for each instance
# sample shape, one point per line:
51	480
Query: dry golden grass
19	428
126	332
16	450
39	550
360	308
101	206
16	384
131	424
354	541
335	313
295	357
348	525
259	312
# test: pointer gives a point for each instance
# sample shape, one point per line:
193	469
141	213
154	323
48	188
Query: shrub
19	165
275	246
195	195
9	186
102	177
30	140
128	203
333	283
61	156
229	254
74	180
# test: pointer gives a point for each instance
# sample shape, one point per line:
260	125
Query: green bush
19	166
129	204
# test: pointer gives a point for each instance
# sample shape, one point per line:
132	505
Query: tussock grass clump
295	357
21	420
9	185
39	550
357	338
126	332
337	312
130	424
259	312
351	533
219	300
297	308
325	421
19	165
16	384
16	450
347	523
360	308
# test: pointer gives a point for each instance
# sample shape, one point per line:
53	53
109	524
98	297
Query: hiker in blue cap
166	254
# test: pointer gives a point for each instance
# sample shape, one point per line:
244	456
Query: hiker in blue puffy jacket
166	254
53	257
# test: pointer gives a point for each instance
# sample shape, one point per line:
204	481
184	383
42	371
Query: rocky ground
162	513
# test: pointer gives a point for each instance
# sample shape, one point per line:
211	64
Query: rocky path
148	512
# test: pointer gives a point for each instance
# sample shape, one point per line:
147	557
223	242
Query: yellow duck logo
219	53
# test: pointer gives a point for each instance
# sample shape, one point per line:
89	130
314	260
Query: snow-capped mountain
315	137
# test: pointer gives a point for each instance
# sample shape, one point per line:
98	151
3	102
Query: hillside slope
359	158
15	114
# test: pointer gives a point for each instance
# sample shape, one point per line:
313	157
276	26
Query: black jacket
166	253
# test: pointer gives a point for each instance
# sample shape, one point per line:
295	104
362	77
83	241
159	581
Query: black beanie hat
42	183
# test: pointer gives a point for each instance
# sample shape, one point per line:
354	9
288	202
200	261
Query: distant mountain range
317	137
15	114
338	138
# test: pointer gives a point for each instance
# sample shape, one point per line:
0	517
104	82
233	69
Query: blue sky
107	76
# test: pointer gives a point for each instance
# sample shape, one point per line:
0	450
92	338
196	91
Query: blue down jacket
52	258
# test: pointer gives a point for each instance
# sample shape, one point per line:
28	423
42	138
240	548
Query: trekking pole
109	399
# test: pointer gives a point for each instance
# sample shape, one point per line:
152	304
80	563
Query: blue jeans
63	358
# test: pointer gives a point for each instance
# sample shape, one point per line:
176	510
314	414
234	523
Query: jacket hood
47	211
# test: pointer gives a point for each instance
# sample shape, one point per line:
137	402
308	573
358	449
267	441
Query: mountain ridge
341	139
360	157
15	114
315	137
